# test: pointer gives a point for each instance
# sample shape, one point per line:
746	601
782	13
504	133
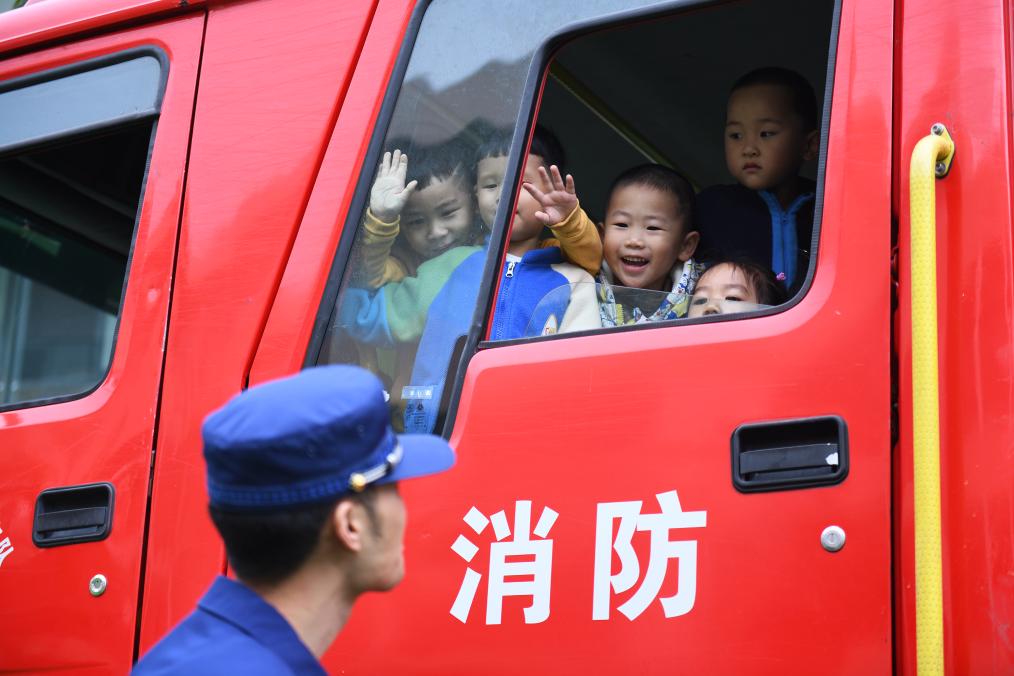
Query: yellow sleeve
377	266
579	240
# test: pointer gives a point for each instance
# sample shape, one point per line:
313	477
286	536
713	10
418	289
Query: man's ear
348	521
812	148
689	245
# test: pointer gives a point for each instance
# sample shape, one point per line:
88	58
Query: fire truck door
711	496
92	158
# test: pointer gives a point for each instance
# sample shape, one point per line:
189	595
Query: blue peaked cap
310	438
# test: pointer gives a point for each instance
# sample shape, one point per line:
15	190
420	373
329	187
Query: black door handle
65	516
787	454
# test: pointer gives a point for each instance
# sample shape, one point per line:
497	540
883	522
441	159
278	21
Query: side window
73	153
459	192
697	158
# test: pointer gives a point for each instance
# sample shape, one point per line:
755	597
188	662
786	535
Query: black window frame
83	133
535	81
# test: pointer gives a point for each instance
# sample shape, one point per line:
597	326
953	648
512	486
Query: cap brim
423	454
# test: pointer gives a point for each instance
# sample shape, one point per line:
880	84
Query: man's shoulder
202	644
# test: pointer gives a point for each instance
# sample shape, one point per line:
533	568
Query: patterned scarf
675	305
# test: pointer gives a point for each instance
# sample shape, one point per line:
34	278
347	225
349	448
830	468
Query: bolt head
97	585
832	538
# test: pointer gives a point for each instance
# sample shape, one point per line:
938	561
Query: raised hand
389	192
557	196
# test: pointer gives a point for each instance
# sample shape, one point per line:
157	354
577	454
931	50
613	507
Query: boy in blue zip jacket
767	217
539	293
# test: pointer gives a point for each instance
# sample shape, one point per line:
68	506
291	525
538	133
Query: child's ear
812	147
689	245
601	227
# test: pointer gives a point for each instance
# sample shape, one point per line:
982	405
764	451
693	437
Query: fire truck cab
182	195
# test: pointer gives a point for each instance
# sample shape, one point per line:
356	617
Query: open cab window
448	248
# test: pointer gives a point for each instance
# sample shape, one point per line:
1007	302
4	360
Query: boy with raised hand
570	228
771	130
432	213
537	288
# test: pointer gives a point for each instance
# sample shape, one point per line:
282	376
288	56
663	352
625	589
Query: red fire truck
824	486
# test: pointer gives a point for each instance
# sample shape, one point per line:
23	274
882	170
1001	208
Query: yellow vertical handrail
931	159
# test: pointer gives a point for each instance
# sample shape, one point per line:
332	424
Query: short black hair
769	289
665	180
548	147
428	163
804	101
496	144
268	547
545	144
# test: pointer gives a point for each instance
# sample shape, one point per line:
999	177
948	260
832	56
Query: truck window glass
613	99
68	208
461	89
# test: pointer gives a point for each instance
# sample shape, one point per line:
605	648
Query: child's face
438	217
489	173
765	143
722	289
525	226
644	236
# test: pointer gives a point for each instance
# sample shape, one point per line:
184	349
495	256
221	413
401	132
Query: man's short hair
665	180
544	144
804	101
268	547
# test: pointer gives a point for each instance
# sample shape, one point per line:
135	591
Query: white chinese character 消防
536	568
662	550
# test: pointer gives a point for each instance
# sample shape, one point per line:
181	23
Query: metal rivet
833	538
941	168
97	585
937	129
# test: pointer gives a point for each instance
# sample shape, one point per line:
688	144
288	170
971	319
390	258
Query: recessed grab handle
72	514
788	454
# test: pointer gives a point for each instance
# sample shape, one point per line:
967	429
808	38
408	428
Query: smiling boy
770	132
649	241
433	213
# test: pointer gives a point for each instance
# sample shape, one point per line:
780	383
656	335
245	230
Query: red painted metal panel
47	21
48	619
287	332
271	84
954	67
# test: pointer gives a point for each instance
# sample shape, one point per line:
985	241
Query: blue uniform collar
240	606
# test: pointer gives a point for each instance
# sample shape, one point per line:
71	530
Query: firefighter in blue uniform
302	477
